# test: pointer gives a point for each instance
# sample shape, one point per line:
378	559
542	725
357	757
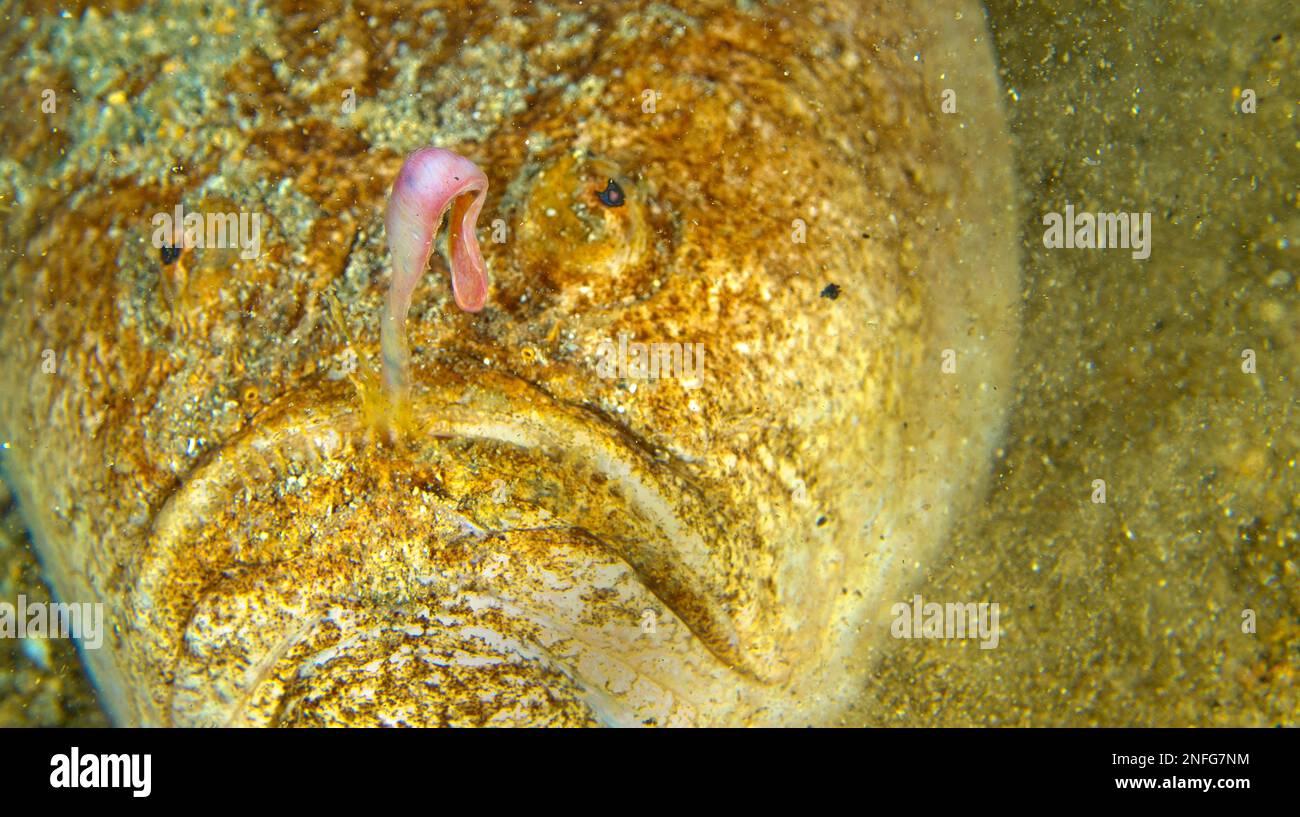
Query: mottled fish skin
542	544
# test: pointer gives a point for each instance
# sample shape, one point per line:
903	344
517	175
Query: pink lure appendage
431	181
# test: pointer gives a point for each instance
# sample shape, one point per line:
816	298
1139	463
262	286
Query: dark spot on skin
169	254
866	235
612	195
831	291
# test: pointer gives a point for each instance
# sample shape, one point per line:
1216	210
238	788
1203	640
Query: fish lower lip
660	529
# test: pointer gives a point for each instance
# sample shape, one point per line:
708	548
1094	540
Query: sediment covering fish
540	542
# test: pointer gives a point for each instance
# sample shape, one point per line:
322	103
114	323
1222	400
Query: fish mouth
308	518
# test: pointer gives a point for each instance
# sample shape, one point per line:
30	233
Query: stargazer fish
555	532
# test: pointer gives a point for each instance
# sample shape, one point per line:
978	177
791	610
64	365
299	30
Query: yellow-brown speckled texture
207	469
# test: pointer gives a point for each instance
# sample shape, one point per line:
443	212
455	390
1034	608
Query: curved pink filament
431	181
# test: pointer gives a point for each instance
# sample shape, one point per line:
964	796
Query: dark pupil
612	195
